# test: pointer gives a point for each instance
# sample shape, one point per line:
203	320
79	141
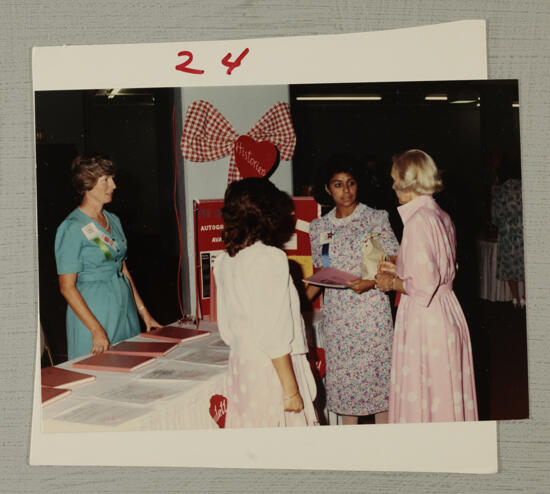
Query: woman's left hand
360	286
150	322
384	281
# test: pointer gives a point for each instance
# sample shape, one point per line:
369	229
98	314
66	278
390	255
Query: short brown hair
86	170
417	172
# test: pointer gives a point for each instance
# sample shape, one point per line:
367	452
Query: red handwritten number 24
226	61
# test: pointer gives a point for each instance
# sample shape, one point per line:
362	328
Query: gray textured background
518	47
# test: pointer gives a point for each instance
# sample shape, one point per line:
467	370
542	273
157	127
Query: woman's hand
386	267
100	342
360	286
150	321
385	281
293	403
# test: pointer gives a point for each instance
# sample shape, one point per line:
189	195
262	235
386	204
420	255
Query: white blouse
258	305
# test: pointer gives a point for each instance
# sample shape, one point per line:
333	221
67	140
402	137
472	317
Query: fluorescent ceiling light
515	105
462	101
113	93
436	97
369	97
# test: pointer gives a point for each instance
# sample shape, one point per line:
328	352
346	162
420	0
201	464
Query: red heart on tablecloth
254	159
218	409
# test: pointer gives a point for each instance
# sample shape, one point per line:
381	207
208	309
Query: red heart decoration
254	159
218	409
321	362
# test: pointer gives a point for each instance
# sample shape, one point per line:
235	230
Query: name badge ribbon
326	239
92	233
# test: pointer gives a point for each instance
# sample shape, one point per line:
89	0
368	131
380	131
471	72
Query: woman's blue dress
100	280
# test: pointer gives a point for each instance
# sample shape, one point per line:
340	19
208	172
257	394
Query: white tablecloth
119	401
490	288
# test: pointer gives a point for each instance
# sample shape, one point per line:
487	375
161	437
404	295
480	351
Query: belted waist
100	274
445	288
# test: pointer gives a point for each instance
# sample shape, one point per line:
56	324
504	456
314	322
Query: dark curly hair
254	209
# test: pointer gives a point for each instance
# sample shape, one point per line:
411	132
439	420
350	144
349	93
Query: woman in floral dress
506	214
357	322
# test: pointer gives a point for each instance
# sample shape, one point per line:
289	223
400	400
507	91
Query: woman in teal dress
90	252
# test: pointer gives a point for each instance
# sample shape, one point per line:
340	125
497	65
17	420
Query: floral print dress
507	216
357	328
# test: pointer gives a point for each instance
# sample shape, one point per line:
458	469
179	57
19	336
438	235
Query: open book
331	278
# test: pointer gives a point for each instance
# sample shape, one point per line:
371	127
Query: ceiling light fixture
369	97
436	97
113	93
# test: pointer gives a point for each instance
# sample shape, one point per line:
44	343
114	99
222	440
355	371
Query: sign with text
209	243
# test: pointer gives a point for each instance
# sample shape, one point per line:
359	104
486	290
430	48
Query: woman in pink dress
432	376
269	380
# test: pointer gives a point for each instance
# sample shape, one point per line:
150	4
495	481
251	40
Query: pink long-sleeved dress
432	376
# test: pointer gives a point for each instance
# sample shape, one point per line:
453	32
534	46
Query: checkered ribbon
208	136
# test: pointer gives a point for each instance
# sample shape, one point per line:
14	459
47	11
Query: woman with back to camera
269	380
90	253
432	376
357	322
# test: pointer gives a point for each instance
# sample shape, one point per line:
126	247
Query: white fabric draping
490	288
130	402
316	324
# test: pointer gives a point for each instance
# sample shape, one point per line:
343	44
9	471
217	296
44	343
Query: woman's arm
388	281
149	321
67	286
313	290
360	286
292	401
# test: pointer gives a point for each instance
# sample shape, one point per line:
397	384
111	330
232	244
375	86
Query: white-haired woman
432	376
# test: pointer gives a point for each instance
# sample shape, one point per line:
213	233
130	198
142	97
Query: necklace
107	226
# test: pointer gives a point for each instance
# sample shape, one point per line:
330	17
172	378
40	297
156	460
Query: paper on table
204	356
102	413
140	393
218	343
331	278
181	370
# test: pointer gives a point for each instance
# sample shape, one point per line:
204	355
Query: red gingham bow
208	136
